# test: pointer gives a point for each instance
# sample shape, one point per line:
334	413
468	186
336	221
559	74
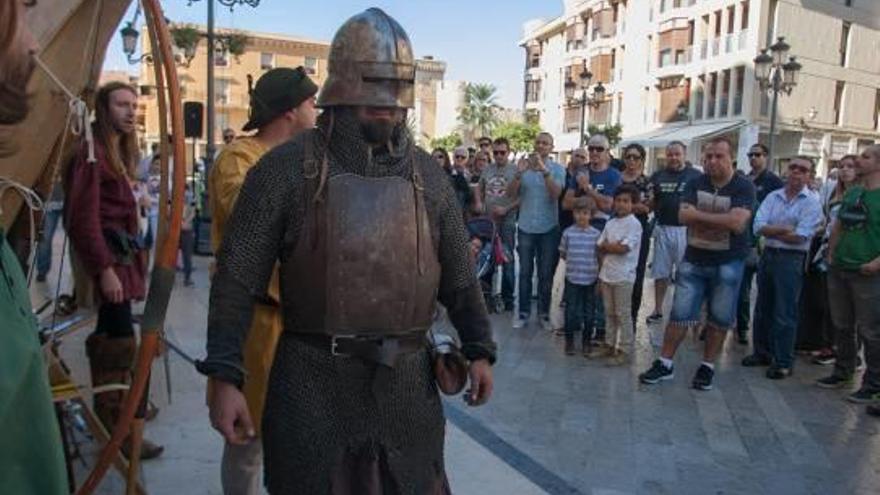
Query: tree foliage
612	132
521	135
478	114
448	142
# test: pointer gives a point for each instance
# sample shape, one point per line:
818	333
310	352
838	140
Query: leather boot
110	362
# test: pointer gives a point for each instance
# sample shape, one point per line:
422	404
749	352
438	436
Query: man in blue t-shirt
716	208
537	185
598	181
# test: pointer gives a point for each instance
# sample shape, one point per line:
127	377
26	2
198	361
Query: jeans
579	304
744	306
717	285
541	250
638	286
44	249
853	300
780	279
507	231
187	244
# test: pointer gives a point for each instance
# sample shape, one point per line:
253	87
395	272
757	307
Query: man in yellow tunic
282	104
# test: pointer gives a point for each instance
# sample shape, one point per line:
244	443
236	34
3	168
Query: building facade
263	52
683	70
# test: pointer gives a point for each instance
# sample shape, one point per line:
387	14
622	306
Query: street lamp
204	218
776	75
583	84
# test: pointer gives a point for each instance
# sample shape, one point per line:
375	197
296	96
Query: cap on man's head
599	140
277	91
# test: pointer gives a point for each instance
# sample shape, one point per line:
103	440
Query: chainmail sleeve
263	225
459	290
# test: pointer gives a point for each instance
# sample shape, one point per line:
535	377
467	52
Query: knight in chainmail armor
369	236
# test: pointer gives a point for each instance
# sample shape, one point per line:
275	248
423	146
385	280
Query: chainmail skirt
337	425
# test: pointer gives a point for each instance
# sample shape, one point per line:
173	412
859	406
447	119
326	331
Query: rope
33	202
77	112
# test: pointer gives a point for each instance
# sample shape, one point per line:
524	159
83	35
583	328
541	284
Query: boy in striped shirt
578	249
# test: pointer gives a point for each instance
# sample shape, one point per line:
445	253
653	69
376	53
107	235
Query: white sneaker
518	322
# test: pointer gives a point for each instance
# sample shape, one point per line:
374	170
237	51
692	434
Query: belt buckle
334	345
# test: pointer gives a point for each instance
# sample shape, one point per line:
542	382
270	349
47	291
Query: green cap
276	92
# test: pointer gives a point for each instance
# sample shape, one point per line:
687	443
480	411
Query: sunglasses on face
460	157
499	153
595	149
633	157
754	154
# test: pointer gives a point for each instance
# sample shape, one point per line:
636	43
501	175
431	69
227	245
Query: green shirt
859	218
31	459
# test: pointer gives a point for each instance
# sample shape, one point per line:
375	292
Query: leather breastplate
364	263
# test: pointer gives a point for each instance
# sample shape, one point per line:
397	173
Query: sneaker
41	277
742	337
656	373
834	381
703	378
753	360
864	395
778	373
825	358
520	321
617	358
546	324
654	318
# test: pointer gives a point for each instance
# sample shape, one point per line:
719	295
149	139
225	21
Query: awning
686	134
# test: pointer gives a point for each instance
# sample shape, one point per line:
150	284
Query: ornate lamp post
582	85
776	75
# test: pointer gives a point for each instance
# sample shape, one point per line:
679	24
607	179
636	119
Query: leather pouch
450	365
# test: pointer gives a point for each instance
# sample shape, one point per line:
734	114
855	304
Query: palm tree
478	114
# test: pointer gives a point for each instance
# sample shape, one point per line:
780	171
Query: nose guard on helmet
370	64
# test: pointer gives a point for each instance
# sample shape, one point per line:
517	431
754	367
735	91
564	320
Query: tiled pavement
560	424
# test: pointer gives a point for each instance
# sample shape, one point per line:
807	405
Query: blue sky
477	38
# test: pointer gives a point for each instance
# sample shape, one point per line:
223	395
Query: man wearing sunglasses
494	180
598	181
854	283
788	218
765	182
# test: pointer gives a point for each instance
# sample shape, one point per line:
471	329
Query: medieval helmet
371	64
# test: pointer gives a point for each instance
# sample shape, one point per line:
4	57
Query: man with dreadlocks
368	235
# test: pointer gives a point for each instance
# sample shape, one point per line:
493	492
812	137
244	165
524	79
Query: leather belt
383	349
777	250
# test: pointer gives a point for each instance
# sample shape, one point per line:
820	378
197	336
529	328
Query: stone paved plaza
566	425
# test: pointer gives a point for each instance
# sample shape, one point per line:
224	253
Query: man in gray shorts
670	236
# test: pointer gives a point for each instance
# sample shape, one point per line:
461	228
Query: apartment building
683	70
262	52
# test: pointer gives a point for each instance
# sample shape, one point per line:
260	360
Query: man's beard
377	131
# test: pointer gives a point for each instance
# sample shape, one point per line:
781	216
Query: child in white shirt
619	248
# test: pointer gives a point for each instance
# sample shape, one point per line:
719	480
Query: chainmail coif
320	407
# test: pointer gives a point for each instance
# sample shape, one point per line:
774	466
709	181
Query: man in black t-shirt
716	208
667	186
765	182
